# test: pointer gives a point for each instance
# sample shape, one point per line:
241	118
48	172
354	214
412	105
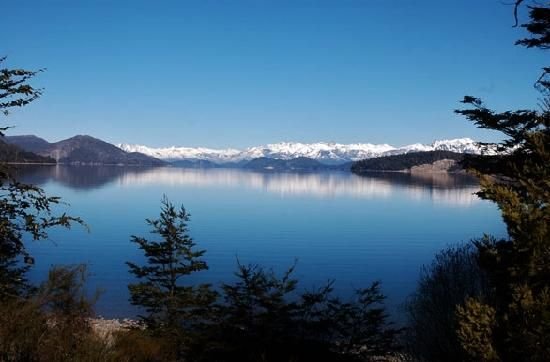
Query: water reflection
341	226
455	189
74	177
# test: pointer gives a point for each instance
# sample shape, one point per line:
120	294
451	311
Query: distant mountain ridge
81	149
285	156
14	154
330	153
425	161
28	143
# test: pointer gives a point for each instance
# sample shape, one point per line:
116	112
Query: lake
353	229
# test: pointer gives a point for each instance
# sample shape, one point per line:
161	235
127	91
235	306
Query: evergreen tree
515	324
453	276
172	307
15	91
25	210
263	317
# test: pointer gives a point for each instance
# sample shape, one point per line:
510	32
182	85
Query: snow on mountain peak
322	151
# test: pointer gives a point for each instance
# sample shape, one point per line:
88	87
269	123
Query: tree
452	277
14	89
49	322
263	317
172	307
255	320
25	210
515	324
53	324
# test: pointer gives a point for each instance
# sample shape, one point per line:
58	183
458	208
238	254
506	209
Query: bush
53	325
263	318
137	345
432	323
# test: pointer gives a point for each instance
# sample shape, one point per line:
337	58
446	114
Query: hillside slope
83	149
15	154
439	161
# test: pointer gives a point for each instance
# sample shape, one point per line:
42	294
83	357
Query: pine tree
453	276
264	317
515	324
171	306
25	210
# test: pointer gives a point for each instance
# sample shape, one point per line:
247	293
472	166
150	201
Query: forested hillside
407	161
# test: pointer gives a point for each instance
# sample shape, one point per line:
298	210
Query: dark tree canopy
264	317
25	210
515	324
260	316
538	26
161	290
452	277
15	91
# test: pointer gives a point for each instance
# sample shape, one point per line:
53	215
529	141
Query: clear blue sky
242	73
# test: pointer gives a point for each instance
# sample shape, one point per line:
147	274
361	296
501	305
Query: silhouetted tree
52	324
15	91
264	318
174	310
432	323
515	325
25	210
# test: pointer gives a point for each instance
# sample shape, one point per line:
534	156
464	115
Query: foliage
516	323
432	324
539	27
263	318
475	330
25	210
53	324
260	317
138	345
361	326
14	89
173	309
64	295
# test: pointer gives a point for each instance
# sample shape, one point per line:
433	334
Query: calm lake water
337	225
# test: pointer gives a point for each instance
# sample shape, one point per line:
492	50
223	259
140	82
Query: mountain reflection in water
353	229
457	189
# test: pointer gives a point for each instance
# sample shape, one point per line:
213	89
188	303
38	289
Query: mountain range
12	153
87	150
328	153
81	149
426	161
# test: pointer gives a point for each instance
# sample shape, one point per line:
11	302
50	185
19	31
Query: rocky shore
105	328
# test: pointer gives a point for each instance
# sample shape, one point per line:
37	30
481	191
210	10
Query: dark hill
15	154
28	143
407	161
84	150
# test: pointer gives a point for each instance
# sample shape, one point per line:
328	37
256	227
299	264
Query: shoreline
106	327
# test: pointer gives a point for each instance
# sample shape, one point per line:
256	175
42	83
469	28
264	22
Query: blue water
353	229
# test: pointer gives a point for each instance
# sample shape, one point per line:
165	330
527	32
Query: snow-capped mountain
321	151
185	153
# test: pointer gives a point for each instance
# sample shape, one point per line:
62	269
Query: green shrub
53	325
452	277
